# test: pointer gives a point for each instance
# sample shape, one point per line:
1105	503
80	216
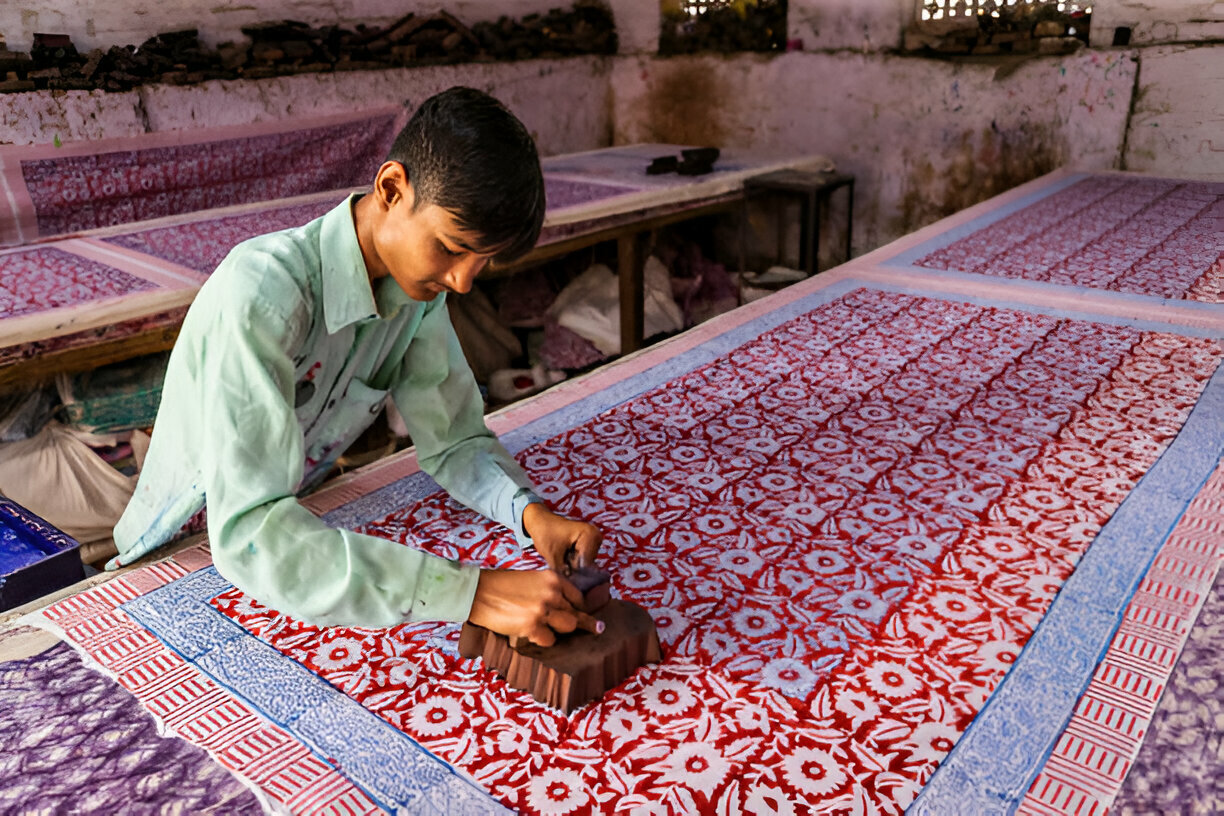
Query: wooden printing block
580	667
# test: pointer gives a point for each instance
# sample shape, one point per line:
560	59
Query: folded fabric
116	397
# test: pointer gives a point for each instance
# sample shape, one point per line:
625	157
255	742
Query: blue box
35	557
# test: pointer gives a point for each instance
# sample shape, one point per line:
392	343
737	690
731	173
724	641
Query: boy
287	355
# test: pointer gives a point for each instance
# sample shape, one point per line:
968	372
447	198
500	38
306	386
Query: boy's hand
532	604
556	536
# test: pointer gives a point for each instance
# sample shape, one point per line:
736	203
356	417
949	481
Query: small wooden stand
581	666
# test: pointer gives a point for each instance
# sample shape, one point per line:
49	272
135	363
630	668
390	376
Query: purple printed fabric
74	193
202	245
76	742
562	193
1180	768
35	280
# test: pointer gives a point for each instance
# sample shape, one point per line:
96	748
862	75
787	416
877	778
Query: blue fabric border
393	769
997	758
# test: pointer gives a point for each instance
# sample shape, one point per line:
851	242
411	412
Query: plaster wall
924	138
1163	21
1177	124
103	23
564	103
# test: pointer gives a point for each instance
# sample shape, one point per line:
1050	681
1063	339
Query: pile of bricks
287	47
1021	29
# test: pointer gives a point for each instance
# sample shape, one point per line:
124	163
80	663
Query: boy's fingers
542	636
572	594
567	620
589	622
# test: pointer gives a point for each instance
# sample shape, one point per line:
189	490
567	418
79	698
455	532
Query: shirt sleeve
262	539
443	410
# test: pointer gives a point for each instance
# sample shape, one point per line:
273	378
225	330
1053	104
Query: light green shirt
285	357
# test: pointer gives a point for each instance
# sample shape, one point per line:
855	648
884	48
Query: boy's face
425	250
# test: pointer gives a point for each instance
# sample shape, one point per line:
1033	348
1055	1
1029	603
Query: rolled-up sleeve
444	413
262	539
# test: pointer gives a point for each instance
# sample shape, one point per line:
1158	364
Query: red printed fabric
74	193
1144	236
44	278
846	530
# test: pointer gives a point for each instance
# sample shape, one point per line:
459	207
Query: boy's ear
391	184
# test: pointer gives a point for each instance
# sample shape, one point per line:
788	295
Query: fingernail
599	627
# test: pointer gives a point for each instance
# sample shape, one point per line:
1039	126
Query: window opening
689	26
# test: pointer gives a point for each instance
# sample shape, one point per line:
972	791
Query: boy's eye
448	250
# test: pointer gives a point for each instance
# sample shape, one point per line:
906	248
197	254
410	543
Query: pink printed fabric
75	193
846	530
201	245
1144	236
44	278
166	321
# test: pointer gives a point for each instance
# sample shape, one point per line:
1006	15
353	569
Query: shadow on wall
976	166
684	104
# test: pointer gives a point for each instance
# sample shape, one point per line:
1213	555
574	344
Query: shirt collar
347	294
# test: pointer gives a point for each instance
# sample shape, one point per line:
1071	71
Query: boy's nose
461	276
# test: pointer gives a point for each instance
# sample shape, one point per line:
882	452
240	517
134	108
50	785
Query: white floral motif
813	772
624	726
767	801
341	653
668	698
788	675
950	606
435	716
891	679
858	706
556	792
696	765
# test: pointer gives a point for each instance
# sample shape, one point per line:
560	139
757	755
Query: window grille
960	9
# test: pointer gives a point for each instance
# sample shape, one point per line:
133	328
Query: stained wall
923	136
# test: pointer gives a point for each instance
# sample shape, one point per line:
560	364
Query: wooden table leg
632	293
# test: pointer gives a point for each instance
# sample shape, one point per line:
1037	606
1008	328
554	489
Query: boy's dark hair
465	152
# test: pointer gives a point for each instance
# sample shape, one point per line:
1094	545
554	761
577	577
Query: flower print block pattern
126	186
75	742
201	245
846	530
1145	236
1181	769
45	278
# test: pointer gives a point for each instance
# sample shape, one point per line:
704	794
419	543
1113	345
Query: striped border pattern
1084	774
280	768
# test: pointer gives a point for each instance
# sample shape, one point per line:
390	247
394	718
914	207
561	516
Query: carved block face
581	666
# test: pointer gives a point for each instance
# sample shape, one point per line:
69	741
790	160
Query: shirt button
374	409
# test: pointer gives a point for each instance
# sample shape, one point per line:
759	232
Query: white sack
55	475
590	305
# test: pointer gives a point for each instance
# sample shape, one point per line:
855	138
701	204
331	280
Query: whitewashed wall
103	23
564	103
1162	21
924	138
1177	123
